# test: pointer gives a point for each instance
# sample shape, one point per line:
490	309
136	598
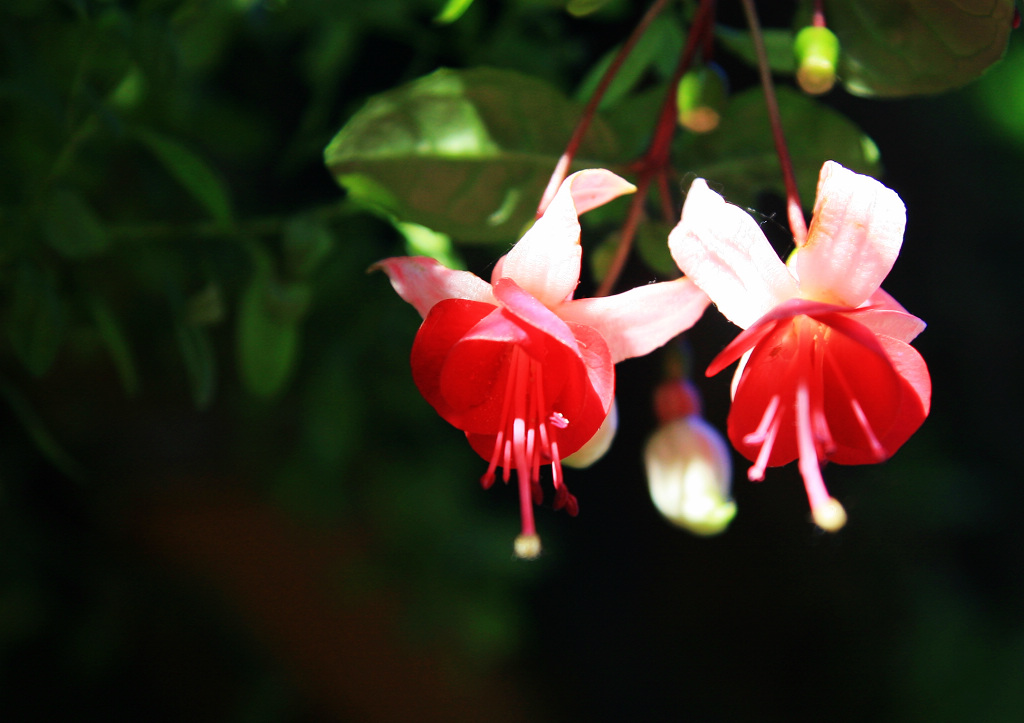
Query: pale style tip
829	515
527	547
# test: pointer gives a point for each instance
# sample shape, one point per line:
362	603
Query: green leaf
307	242
452	11
269	317
466	153
36	318
580	8
908	47
200	361
41	436
71	227
652	246
739	158
117	344
191	171
778	43
663	39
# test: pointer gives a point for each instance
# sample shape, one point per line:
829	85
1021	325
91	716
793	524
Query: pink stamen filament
765	434
524	439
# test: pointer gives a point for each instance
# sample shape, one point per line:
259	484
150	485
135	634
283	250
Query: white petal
722	249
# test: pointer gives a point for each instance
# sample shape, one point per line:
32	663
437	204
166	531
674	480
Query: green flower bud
701	97
817	55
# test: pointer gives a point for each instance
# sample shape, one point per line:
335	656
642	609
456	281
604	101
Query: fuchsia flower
827	373
525	370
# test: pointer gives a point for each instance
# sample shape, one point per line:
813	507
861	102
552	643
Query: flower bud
700	98
598	444
817	55
689	475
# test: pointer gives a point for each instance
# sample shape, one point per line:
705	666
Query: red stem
562	167
818	18
797	223
655	160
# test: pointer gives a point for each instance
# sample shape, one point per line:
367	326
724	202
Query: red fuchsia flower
826	371
525	370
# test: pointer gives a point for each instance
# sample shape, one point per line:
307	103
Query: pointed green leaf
36	318
71	227
200	361
269	318
580	8
191	171
909	47
663	39
39	432
778	43
114	338
739	158
466	153
452	11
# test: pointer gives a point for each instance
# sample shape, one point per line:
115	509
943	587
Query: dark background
328	555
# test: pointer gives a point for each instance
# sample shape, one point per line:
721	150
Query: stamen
756	471
522	441
765	434
828	514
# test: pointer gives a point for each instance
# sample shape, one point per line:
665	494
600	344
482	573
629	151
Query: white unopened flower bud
598	444
689	475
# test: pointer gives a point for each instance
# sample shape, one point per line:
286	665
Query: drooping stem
797	223
562	167
818	18
655	159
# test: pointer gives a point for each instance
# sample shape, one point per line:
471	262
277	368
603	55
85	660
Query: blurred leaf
191	171
452	11
907	47
117	344
663	39
36	319
37	430
579	8
739	156
269	315
307	242
200	361
422	241
651	245
71	227
466	153
778	44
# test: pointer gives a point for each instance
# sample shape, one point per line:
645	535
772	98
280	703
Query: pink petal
854	238
722	249
423	282
640	320
546	261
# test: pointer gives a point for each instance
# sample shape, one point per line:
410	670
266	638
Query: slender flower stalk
797	223
655	159
583	125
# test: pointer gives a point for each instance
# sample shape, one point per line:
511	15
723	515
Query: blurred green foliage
221	497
